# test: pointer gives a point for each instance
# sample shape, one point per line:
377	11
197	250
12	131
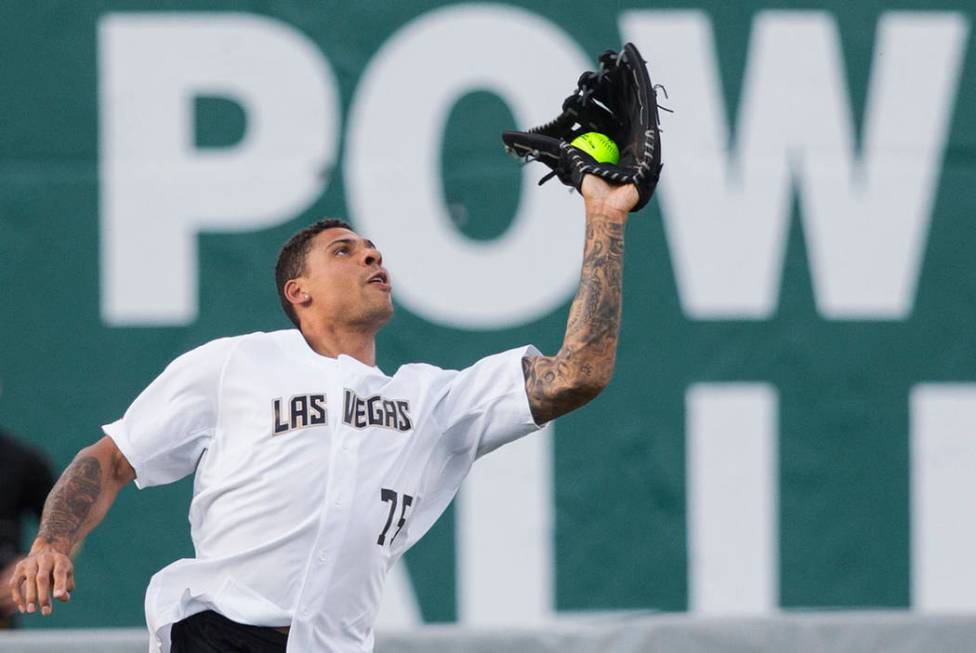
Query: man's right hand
7	606
77	503
43	573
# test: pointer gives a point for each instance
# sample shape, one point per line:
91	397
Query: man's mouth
380	279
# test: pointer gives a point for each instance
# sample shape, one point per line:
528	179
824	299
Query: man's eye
342	250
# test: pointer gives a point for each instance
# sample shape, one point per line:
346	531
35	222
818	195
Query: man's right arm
78	502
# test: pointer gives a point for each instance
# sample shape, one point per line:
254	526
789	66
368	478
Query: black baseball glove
619	101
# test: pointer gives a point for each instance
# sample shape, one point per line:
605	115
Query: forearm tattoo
71	501
561	383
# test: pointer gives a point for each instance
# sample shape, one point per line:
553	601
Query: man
314	471
25	480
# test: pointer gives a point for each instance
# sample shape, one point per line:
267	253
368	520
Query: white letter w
865	215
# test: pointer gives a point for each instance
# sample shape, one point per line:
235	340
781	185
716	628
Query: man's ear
295	292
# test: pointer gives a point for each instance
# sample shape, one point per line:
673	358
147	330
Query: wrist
56	545
604	213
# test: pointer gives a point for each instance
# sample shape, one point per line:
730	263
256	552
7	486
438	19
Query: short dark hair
291	259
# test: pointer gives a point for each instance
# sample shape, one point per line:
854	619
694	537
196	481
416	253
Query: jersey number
392	497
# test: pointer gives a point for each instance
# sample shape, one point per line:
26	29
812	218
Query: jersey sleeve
485	406
169	425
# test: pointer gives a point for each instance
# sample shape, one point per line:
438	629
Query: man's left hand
605	198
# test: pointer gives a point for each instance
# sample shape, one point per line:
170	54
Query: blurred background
791	423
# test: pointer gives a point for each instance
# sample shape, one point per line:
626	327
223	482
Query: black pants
210	632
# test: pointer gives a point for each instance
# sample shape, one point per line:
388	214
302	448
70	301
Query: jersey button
323	555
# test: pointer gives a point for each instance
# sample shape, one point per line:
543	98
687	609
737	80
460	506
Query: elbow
114	466
595	381
579	379
589	372
587	388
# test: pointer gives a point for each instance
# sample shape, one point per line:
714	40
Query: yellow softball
600	146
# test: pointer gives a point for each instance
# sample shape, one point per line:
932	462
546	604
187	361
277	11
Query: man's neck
331	341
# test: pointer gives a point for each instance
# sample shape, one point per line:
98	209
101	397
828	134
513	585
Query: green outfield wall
792	418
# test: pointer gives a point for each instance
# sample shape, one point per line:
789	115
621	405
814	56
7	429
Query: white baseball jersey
313	476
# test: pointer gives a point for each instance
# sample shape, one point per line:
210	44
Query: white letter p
157	190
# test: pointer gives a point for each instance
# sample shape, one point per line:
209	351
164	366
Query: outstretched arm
584	364
78	502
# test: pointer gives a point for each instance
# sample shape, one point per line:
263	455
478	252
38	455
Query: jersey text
298	412
376	411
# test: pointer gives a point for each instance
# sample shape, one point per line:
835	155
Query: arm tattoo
71	501
558	384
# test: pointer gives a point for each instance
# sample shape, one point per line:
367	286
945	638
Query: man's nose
372	256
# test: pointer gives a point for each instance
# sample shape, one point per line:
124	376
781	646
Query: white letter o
392	166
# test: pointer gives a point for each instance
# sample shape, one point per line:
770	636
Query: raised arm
78	502
584	364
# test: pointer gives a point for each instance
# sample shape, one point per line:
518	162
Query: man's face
345	280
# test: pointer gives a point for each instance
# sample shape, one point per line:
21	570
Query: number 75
392	497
